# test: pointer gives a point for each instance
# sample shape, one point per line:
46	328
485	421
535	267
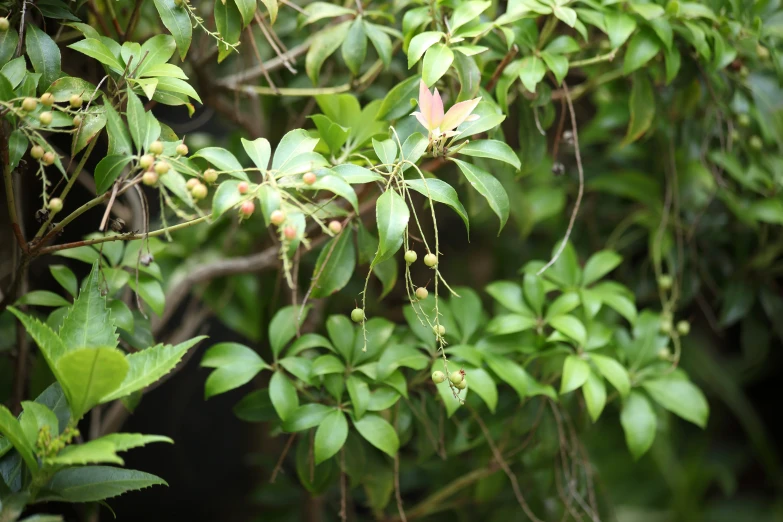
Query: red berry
243	187
247	208
277	217
289	233
309	178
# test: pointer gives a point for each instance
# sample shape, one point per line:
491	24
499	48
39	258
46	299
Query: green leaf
282	327
437	61
511	373
392	215
441	192
119	139
8	42
531	72
177	21
331	133
330	436
320	10
87	375
44	55
354	48
510	323
89	321
226	197
396	103
223	160
336	185
619	27
271	7
379	433
97	49
93	123
247	8
480	382
236	365
614	372
42	298
341	332
94	483
562	44
399	355
535	294
108	170
148	366
327	364
382	399
334	266
359	393
12	430
492	149
570	326
489	187
175	85
293	145
354	174
50	344
306	416
467	311
600	264
17	146
92	452
323	45
467	12
259	152
283	396
680	397
663	29
639	424
557	64
386	151
575	373
642	107
594	391
380	40
648	11
228	23
566	14
420	43
137	120
642	48
126	441
150	290
63	275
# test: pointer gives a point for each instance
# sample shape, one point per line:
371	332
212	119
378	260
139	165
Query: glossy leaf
379	433
392	215
330	436
639	424
489	187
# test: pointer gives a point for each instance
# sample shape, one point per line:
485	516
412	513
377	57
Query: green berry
461	385
45	118
743	120
149	178
29	104
411	257
457	376
47	99
665	282
430	260
37	152
664	354
210	175
182	149
438	377
421	293
4	24
357	315
199	191
755	143
440	329
666	325
48	158
192	182
55	205
146	161
156	147
75	101
762	52
162	167
683	327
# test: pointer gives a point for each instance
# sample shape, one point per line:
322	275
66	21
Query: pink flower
430	113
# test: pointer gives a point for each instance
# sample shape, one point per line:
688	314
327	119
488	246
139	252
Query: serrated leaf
91	452
89	321
12	430
88	375
94	483
126	441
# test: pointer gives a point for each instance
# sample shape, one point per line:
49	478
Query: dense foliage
627	156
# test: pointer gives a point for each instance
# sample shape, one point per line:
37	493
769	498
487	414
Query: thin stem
9	190
608	57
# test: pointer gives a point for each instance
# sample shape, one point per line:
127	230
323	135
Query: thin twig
260	61
280	460
581	182
106	213
343	488
510	55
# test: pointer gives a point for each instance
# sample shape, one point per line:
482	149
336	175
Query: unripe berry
756	143
421	293
45	118
178	3
247	209
149	178
199	191
243	187
457	376
357	315
210	175
29	104
182	149
735	135
335	227
664	354
162	167
438	377
744	72
48	158
410	257
461	385
55	205
289	233
77	121
309	178
762	52
47	99
146	161
743	120
75	101
4	24
430	260
440	329
156	147
277	217
666	325
665	282
683	327
37	152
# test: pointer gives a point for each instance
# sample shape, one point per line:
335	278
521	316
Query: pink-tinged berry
210	175
289	233
156	147
182	149
146	161
37	152
335	227
421	293
357	315
48	158
309	178
430	260
55	205
199	191
192	182
162	167
438	377
149	178
277	217
247	209
243	187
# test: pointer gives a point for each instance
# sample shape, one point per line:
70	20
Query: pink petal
436	114
458	113
425	104
421	118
